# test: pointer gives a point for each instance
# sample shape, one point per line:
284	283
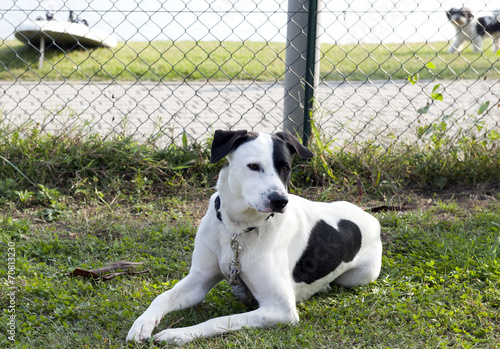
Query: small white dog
271	246
473	30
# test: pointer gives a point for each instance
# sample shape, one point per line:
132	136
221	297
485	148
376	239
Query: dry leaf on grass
386	208
109	271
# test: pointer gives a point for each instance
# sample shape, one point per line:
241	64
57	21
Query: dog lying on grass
271	246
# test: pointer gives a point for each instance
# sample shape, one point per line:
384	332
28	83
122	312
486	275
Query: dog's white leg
477	44
263	317
273	290
455	45
496	44
191	290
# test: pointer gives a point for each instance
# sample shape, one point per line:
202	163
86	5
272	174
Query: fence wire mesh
193	66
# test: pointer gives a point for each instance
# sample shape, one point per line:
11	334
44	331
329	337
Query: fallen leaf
390	208
109	271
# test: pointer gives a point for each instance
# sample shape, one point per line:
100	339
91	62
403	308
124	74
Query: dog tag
234	266
240	290
241	293
234	274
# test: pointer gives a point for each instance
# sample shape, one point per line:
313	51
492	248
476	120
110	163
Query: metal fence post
301	65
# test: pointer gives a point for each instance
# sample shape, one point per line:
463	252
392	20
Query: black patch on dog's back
326	249
488	25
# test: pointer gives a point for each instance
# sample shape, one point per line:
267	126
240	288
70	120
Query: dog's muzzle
277	202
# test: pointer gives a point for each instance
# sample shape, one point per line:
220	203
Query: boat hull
63	33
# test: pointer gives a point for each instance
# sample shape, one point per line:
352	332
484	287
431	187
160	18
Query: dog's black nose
277	202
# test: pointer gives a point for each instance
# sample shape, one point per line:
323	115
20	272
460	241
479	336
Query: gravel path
148	110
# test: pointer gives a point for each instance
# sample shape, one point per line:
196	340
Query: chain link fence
190	67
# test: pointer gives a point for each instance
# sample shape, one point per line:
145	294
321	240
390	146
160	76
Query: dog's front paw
174	335
142	328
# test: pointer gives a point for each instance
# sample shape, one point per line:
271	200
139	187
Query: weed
93	167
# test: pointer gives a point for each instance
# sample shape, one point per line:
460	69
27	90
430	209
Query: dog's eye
254	167
285	169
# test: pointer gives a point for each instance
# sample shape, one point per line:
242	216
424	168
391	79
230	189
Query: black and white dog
272	246
473	30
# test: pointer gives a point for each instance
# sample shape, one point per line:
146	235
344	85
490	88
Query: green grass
397	61
439	286
176	61
76	200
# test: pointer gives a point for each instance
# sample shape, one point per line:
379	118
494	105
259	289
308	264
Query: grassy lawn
76	201
439	287
176	61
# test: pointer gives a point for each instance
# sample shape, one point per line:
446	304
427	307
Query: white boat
66	34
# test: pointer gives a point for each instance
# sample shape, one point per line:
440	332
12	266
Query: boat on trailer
73	32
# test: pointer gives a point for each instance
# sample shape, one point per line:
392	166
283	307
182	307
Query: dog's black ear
224	142
294	145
